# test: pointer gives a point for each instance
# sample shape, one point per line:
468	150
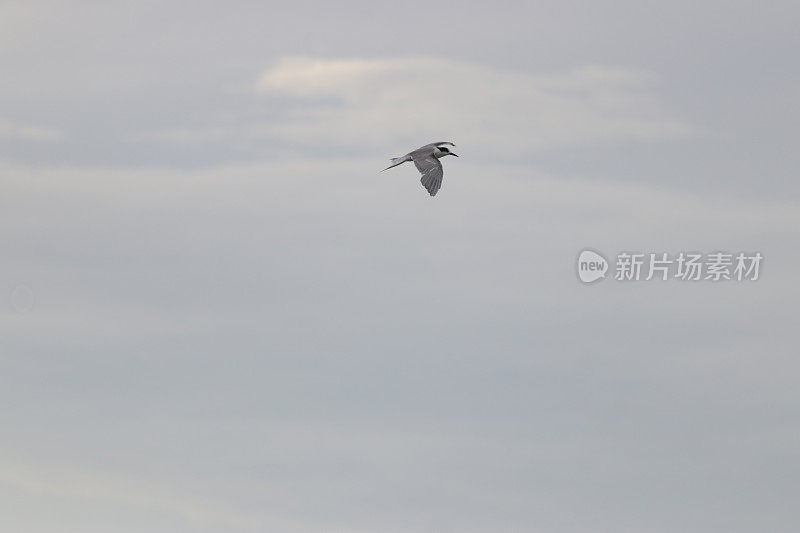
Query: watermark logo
662	266
591	266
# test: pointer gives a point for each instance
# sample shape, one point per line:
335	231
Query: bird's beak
451	153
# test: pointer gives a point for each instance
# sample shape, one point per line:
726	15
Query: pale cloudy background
218	316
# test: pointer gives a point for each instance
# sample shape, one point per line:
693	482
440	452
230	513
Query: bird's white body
426	159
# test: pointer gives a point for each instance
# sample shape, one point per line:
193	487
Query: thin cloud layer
218	315
221	341
27	132
353	100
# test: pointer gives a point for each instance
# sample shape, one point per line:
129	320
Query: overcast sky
217	315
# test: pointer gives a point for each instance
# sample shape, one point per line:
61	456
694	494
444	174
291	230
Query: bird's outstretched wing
432	173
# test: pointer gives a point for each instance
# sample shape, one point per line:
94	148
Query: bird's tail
398	161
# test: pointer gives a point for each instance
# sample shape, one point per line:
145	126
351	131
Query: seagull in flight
426	159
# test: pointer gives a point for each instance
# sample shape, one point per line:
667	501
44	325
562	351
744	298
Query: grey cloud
502	113
252	341
239	324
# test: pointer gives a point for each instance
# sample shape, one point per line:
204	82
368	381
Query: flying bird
426	159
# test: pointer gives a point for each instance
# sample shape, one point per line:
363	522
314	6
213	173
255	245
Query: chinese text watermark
682	266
